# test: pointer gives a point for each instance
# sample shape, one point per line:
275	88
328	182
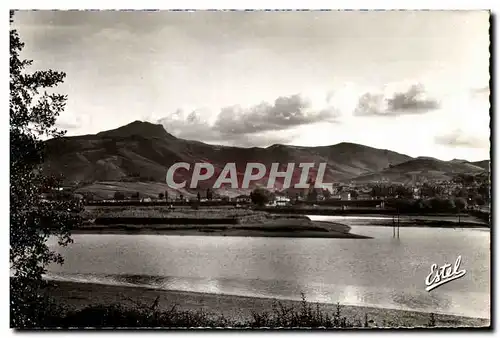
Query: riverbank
277	228
436	221
235	309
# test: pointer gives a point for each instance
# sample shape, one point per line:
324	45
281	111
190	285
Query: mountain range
142	151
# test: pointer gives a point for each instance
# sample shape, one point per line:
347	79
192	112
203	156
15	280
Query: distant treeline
435	204
164	203
353	211
339	203
332	202
485	216
391	206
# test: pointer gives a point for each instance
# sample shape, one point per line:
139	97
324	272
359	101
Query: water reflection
383	271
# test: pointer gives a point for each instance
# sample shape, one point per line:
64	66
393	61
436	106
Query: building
243	199
282	201
345	196
364	196
416	193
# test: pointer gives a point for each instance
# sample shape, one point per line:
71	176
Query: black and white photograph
250	169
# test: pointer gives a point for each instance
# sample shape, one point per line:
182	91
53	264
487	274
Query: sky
415	82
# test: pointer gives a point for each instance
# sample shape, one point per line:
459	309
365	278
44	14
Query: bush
460	203
260	196
119	196
141	315
306	316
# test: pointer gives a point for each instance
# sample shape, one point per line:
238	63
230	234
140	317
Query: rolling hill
142	151
485	164
421	169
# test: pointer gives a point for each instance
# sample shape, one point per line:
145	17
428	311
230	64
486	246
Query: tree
479	200
327	194
312	195
403	192
460	204
33	113
260	196
428	190
119	196
88	196
461	192
484	191
354	194
449	204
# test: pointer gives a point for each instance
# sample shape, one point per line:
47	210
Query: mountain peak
141	128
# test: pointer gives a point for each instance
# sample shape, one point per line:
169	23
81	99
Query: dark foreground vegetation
304	315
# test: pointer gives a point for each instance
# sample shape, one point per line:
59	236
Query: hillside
142	151
421	169
485	164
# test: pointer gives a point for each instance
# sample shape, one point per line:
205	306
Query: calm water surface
383	271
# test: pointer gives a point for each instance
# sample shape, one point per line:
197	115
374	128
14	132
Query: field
106	190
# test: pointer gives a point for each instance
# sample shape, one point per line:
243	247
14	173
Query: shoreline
316	229
278	228
229	232
76	296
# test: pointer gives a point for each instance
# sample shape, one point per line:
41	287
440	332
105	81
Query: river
382	272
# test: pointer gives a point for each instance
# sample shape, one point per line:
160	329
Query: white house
345	196
282	200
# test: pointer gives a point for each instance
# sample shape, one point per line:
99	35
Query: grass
243	216
94	212
140	315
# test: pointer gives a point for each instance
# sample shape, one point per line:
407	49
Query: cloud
67	125
193	127
370	104
259	125
478	92
189	126
412	101
459	138
286	112
69	122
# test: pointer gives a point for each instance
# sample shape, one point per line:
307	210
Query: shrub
260	196
306	315
119	196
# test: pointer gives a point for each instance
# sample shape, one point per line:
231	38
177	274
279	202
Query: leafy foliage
261	196
119	196
33	219
305	315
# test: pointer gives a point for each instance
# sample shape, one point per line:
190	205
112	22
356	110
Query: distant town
464	191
